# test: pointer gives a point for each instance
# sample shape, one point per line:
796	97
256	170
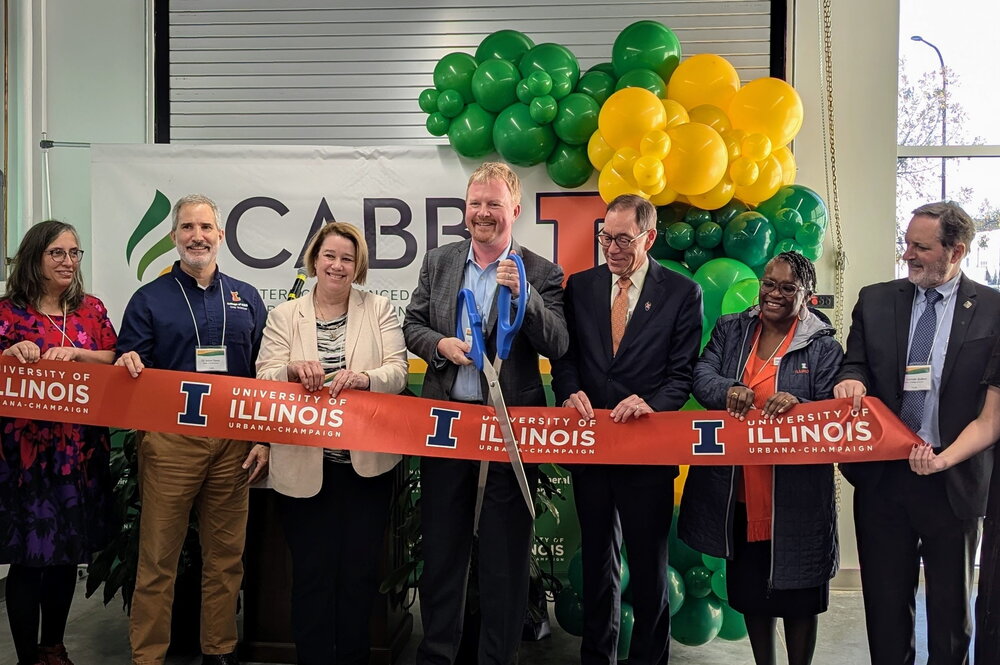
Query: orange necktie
619	313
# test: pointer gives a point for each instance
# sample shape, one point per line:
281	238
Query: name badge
917	377
210	359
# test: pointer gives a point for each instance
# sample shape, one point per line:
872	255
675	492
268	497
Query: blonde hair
344	230
498	171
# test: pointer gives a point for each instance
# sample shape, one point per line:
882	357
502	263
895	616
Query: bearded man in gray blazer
449	486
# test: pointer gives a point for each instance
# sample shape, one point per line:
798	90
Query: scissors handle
507	329
467	303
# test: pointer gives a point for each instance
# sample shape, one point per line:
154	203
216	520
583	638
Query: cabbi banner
280	412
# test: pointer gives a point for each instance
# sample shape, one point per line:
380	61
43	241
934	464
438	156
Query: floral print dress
55	485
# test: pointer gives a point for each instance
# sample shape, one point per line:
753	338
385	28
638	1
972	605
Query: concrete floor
98	635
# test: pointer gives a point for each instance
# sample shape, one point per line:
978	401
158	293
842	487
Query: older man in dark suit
449	486
635	329
920	345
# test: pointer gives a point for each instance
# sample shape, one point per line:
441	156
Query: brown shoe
54	655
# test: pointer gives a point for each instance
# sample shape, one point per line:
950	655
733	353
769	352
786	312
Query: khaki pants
177	473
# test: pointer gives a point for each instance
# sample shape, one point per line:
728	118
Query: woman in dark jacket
777	526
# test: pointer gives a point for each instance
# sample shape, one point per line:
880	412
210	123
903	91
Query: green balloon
680	235
551	58
624	575
437	124
471	133
646	45
810	234
698	582
726	213
786	245
682	557
715	278
575	572
428	100
539	83
787	222
800	198
521	140
494	85
708	235
696	256
675	590
450	103
749	238
625	630
569	612
504	45
605	67
696	216
643	78
738	297
454	72
523	91
734	627
661	251
576	120
543	109
568	165
561	86
676	266
713	563
599	85
719	587
697	622
813	252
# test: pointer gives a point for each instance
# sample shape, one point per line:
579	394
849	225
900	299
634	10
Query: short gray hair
195	199
956	224
645	213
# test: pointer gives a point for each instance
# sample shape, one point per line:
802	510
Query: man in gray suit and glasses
493	203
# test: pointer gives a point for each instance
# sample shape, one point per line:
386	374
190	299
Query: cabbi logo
157	213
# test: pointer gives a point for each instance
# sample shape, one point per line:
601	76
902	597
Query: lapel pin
967	304
648	305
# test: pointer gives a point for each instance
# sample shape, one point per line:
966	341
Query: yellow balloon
769	106
697	159
655	188
655	144
712	116
648	171
704	79
676	113
665	197
628	115
716	197
788	166
756	147
611	184
766	185
623	161
744	171
734	142
599	151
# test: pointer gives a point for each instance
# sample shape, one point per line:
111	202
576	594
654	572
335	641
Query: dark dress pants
901	520
447	507
336	540
635	504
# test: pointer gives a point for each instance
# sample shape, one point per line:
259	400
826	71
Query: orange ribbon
232	407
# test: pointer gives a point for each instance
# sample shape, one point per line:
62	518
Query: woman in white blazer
333	504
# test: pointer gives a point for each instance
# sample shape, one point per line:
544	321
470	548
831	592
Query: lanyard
222	299
63	330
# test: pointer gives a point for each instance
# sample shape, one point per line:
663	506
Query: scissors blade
509	442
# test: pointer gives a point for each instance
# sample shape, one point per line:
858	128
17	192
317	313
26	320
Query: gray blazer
431	315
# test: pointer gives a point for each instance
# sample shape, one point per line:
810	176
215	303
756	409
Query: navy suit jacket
656	357
876	356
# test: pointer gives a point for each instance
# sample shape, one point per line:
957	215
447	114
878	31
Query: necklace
753	351
62	331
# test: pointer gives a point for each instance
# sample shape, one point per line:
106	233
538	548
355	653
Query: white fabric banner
405	200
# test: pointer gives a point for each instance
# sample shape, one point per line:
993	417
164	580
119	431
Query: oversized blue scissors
507	329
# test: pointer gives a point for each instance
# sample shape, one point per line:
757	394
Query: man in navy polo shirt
192	319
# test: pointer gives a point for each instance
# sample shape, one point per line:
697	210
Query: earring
803	313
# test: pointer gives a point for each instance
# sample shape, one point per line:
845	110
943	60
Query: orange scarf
760	375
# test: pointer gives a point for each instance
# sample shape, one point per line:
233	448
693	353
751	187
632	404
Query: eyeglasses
622	240
59	255
785	288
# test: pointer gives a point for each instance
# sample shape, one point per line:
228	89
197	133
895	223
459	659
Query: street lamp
944	109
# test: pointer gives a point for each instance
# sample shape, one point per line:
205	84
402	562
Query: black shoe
220	659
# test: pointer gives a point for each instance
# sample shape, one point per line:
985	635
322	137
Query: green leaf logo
157	212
